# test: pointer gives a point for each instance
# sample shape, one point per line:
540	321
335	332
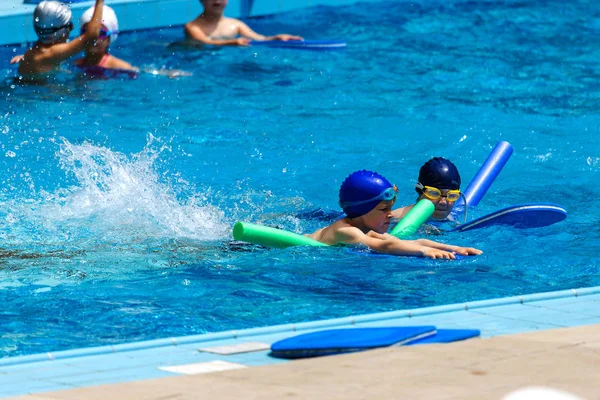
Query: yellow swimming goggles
433	193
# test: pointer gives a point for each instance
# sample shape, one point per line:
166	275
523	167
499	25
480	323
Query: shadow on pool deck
567	359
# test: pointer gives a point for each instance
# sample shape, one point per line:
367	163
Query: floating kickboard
519	216
302	44
446	336
337	341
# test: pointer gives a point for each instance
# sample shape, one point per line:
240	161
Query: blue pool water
117	197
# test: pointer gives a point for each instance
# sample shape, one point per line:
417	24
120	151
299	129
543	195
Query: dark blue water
117	197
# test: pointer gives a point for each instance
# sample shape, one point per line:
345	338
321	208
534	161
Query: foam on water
115	199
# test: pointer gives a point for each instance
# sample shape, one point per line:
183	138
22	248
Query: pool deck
160	368
565	359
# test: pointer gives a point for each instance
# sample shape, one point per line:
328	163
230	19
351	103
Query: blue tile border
246	333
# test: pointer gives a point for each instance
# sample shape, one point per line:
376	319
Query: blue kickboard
447	336
302	44
520	216
338	341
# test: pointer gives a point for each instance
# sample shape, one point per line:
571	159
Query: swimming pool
118	196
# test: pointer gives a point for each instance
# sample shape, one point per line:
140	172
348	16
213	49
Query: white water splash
117	200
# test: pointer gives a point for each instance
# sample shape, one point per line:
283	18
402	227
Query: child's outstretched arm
121	64
17	59
465	251
63	51
195	32
388	244
244	30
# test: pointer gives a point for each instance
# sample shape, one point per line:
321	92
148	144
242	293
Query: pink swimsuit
104	60
100	71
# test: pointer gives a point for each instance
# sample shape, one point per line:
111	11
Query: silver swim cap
51	20
109	20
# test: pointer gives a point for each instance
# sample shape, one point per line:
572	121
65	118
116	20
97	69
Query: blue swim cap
440	173
361	192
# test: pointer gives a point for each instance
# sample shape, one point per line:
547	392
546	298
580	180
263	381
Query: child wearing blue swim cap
211	27
439	182
53	23
367	199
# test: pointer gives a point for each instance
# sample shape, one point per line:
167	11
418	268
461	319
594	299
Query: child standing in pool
367	199
211	27
53	24
439	182
98	55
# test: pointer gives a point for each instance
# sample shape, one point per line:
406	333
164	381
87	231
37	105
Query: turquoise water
117	197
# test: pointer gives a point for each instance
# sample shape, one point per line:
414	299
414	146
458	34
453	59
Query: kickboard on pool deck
338	341
446	336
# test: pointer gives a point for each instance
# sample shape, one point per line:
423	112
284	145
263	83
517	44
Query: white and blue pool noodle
484	178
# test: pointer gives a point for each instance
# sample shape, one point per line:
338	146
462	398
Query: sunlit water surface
117	197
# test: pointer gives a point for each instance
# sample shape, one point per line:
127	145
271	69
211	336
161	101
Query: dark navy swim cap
439	173
361	192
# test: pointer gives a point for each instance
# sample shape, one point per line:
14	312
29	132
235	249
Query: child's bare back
52	23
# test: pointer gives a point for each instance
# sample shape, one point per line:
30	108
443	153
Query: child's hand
430	252
17	59
285	37
468	251
242	41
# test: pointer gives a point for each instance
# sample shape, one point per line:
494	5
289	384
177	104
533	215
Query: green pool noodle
413	219
271	237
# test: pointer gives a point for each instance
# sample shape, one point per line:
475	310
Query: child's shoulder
344	228
116	63
230	20
195	22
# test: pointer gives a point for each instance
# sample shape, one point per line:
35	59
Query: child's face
214	5
379	218
443	207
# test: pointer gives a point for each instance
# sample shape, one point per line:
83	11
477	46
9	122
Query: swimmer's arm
388	244
63	51
117	63
465	251
244	30
17	59
195	32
